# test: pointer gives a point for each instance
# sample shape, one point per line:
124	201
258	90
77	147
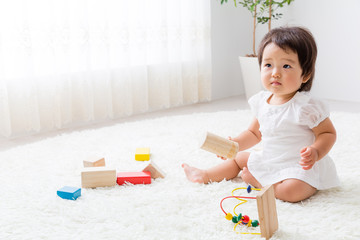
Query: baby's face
281	71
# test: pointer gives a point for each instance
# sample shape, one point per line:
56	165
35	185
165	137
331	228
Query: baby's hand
309	156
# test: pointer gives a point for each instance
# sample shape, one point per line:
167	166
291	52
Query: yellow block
142	154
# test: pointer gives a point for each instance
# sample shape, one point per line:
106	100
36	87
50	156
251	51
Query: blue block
71	193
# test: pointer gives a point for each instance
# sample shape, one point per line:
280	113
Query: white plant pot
251	75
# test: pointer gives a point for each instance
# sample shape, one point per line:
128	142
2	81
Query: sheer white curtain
80	61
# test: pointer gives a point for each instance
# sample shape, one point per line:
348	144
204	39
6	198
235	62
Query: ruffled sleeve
313	112
257	100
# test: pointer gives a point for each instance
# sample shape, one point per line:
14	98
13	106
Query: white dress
285	130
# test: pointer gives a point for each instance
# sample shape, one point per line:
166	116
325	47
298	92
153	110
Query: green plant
262	11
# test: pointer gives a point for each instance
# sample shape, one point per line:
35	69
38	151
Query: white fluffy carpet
170	208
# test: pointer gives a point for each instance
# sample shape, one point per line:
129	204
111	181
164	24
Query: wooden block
94	162
267	211
71	193
220	146
142	154
133	177
154	170
98	177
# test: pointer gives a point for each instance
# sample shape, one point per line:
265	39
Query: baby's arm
325	137
249	137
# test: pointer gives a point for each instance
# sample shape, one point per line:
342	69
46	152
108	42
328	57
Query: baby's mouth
275	83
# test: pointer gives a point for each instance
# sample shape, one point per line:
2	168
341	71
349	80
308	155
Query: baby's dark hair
301	41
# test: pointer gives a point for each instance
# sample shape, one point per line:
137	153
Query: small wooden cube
142	154
154	170
98	177
94	162
133	177
71	193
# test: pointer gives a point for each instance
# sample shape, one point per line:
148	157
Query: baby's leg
247	177
229	169
293	190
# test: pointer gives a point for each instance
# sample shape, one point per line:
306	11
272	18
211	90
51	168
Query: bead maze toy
220	146
266	205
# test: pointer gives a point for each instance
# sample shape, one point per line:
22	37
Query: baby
295	128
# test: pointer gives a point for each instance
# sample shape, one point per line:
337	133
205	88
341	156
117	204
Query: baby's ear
306	78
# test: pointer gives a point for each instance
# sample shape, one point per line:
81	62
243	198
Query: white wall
229	39
334	24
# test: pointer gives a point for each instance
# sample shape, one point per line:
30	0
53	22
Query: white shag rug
169	208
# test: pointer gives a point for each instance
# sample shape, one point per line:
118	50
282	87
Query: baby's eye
267	65
287	66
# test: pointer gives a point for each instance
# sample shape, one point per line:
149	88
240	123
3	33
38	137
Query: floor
227	104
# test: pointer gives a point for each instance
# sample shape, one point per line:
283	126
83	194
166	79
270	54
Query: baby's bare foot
194	174
249	178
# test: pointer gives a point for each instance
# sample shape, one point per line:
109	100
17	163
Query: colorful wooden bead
249	189
255	223
245	219
229	216
239	217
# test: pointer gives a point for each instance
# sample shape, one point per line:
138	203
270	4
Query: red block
133	177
